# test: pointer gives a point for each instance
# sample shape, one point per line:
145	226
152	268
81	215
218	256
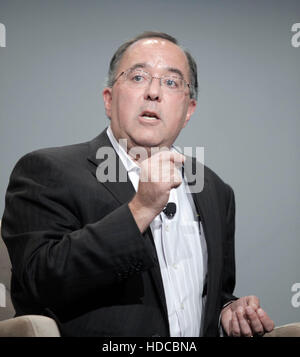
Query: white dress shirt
181	251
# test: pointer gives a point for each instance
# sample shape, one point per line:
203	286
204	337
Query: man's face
127	106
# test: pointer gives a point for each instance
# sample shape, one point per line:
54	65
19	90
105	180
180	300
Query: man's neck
136	152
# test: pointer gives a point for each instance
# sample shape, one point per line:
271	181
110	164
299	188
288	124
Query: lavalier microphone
170	210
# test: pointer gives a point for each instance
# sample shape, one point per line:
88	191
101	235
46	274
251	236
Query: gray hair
150	34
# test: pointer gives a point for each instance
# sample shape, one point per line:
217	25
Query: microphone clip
170	210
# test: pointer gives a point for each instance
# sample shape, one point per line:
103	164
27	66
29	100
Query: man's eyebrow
138	65
175	70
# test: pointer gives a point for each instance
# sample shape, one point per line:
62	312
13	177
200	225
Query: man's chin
147	142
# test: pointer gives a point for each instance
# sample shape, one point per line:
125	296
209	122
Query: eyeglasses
138	78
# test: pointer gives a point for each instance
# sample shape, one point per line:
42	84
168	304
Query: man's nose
153	91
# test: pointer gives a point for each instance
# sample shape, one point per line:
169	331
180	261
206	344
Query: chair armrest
289	330
29	326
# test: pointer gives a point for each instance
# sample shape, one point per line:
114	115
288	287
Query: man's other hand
245	318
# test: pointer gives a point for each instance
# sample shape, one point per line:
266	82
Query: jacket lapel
207	211
101	152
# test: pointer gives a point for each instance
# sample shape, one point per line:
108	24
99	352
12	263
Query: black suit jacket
78	256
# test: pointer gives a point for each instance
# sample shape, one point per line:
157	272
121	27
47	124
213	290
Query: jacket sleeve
228	281
55	260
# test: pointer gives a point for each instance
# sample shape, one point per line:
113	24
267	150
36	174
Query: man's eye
137	78
171	83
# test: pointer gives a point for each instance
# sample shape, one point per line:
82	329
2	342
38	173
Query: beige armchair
289	330
22	326
29	326
42	326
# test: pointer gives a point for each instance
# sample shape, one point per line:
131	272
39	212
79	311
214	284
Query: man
106	258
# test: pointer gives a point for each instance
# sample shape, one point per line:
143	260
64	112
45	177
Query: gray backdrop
52	73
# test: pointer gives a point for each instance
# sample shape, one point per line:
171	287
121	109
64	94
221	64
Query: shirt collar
127	161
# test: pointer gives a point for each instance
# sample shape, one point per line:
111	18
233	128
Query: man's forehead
152	42
155	52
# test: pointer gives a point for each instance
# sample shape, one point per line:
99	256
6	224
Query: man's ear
107	98
190	111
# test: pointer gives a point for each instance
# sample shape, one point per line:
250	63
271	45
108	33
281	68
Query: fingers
239	326
168	173
177	158
245	327
176	179
234	326
248	322
254	321
166	168
162	167
267	323
259	320
248	318
253	301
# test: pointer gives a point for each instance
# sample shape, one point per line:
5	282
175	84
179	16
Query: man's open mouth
150	115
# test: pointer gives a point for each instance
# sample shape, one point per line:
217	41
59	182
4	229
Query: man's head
150	76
